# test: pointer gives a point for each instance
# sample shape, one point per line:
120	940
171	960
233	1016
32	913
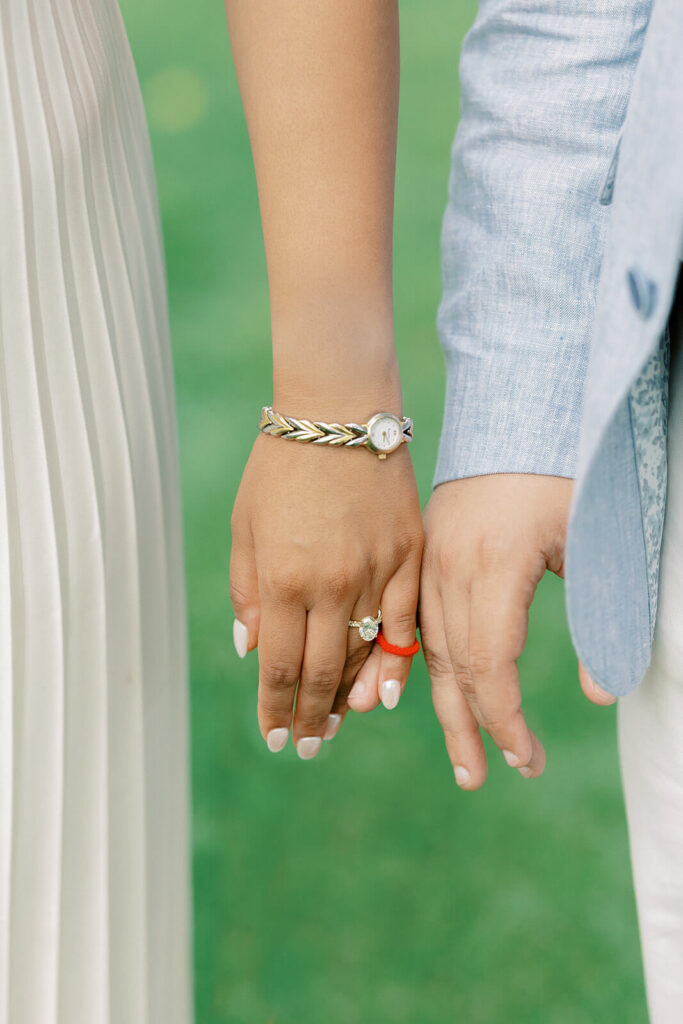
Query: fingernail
525	772
462	776
511	758
390	693
333	723
357	691
277	739
308	747
240	637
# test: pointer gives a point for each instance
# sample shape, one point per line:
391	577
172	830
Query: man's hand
488	542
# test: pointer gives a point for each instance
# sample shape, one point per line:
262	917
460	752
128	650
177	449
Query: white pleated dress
94	867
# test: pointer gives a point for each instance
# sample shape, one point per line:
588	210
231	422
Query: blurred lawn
364	887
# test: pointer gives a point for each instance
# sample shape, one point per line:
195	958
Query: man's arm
545	92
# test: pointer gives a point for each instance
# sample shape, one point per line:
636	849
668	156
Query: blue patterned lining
649	405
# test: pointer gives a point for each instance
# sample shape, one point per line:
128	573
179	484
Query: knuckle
280	676
438	665
287	587
480	662
325	679
408	546
500	718
460	735
494	721
465	680
338	582
403	622
446	560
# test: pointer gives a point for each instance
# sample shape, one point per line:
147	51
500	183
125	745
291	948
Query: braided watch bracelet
382	434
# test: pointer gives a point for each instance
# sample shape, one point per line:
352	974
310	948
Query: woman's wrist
335	357
350	400
339	379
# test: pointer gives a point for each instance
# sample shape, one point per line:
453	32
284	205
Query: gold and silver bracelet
382	434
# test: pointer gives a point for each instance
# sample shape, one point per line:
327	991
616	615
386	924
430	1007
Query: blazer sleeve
544	91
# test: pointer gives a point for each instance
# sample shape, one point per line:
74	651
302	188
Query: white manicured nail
277	739
526	772
240	637
511	758
357	692
390	693
333	723
462	776
308	747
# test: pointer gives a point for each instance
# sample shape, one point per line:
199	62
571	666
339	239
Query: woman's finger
334	723
384	675
361	672
399	628
321	672
281	647
363	684
244	593
461	732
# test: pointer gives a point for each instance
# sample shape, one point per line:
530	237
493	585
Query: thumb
244	595
594	693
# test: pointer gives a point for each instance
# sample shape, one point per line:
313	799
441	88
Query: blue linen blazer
561	246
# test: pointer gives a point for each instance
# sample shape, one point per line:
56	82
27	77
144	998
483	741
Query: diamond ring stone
368	627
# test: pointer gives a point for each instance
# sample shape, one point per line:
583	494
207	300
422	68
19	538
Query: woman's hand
321	536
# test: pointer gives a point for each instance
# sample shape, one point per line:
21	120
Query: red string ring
402	652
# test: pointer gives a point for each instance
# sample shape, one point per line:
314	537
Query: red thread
402	652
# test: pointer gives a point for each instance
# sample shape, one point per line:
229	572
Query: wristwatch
382	434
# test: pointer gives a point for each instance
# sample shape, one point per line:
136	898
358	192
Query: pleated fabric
94	867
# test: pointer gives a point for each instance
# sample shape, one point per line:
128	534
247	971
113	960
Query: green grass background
363	887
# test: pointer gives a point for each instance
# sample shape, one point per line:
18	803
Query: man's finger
592	691
536	764
488	677
461	732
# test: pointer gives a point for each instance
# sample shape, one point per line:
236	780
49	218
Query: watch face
384	432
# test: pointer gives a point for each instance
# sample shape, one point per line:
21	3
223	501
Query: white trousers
651	751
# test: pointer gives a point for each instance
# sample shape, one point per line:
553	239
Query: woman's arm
319	83
324	535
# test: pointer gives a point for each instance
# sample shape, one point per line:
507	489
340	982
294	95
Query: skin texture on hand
488	542
321	536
